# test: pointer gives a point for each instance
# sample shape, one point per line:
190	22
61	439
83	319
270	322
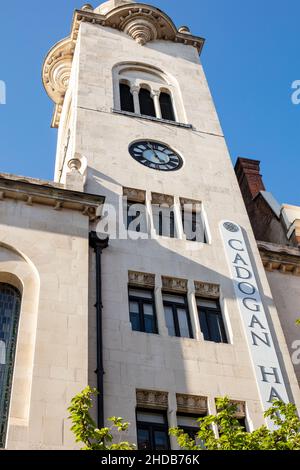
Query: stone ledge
33	191
280	258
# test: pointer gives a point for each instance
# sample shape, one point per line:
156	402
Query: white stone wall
136	360
45	254
286	293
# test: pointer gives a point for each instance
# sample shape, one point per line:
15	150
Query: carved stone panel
135	195
162	199
152	399
207	290
191	404
172	284
141	279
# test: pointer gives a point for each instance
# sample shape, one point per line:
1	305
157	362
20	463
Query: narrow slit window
126	97
146	103
166	106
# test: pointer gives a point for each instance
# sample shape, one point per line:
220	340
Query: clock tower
137	124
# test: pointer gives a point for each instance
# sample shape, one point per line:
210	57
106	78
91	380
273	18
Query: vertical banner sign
261	347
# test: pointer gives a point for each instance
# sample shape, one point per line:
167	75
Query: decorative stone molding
141	30
191	404
207	290
142	22
162	200
152	399
135	195
56	74
172	284
241	408
141	279
280	258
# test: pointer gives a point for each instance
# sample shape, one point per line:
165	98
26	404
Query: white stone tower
184	321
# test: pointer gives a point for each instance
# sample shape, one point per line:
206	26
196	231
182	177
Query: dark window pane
126	97
10	301
214	327
166	106
183	323
136	217
144	442
146	103
204	326
161	441
135	322
142	311
211	321
170	321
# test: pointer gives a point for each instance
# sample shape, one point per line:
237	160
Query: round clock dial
155	155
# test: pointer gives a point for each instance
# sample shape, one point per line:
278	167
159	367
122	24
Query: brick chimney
249	178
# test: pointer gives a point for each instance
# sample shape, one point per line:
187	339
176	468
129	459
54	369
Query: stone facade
48	250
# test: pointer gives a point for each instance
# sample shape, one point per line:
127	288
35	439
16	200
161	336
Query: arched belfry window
166	106
147	107
145	90
10	303
126	98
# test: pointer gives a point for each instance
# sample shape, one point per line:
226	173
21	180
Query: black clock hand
155	153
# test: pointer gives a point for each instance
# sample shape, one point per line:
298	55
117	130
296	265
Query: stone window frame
160	83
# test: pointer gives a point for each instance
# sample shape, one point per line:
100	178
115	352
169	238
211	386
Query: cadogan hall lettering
260	343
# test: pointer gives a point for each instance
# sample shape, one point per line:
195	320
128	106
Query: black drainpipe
99	245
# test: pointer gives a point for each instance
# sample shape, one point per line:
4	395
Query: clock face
155	155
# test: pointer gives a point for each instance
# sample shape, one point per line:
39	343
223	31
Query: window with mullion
211	321
152	431
177	316
142	311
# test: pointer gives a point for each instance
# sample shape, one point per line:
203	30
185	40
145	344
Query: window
166	106
164	221
136	217
142	311
192	221
190	425
152	431
126	98
146	103
10	301
177	316
211	321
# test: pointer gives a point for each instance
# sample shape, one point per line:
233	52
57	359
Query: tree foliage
232	436
86	430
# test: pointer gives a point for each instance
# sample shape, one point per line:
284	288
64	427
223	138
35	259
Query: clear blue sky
251	57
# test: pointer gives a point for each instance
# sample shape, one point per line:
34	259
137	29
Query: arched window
146	103
10	302
126	98
166	106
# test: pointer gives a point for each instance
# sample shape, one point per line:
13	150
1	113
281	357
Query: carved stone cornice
173	284
135	195
240	408
144	23
152	399
32	191
280	258
191	404
162	199
141	279
207	290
